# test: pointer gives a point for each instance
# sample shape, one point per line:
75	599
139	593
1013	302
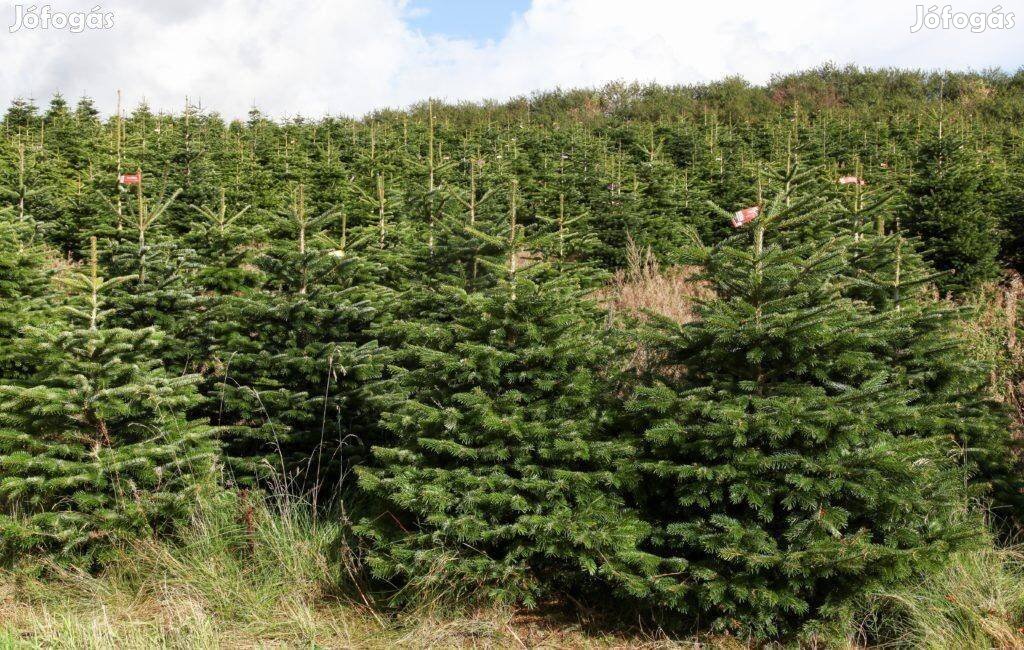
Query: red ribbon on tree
130	179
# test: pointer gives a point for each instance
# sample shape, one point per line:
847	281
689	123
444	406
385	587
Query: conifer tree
294	355
661	195
21	115
225	241
617	212
952	208
95	446
951	383
24	286
499	474
776	469
160	290
16	189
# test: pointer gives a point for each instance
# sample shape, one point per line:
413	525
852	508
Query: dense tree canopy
400	317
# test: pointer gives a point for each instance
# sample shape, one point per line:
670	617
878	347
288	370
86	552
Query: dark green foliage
24	288
953	205
226	241
950	382
293	357
499	478
95	447
160	271
777	469
345	284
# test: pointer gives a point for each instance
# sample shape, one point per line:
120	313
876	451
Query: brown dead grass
644	287
993	333
79	611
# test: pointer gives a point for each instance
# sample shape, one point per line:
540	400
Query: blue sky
478	20
349	57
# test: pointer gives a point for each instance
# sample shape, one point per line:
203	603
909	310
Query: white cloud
351	56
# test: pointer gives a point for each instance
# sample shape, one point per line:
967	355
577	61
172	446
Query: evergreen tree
15	189
86	111
661	194
294	359
24	286
160	289
951	384
499	476
617	212
95	447
952	208
775	469
225	241
21	115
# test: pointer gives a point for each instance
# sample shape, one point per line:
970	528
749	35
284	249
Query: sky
348	57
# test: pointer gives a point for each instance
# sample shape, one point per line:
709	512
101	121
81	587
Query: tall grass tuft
976	602
259	572
248	571
643	286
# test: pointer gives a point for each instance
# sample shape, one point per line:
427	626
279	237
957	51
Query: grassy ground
266	576
243	577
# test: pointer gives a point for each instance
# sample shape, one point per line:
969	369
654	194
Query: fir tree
16	190
21	115
95	447
951	384
225	241
952	208
777	472
661	195
86	111
294	359
160	290
500	473
24	286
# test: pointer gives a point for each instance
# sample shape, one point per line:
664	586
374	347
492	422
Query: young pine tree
499	477
775	470
95	447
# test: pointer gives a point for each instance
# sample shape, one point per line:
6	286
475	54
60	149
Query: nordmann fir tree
294	358
498	481
95	447
15	187
951	384
24	287
661	196
226	243
952	206
925	353
775	469
160	290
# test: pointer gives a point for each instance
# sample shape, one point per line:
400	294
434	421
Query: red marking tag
746	215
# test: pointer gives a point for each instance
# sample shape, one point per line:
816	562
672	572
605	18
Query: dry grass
643	287
994	337
279	584
78	611
976	602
